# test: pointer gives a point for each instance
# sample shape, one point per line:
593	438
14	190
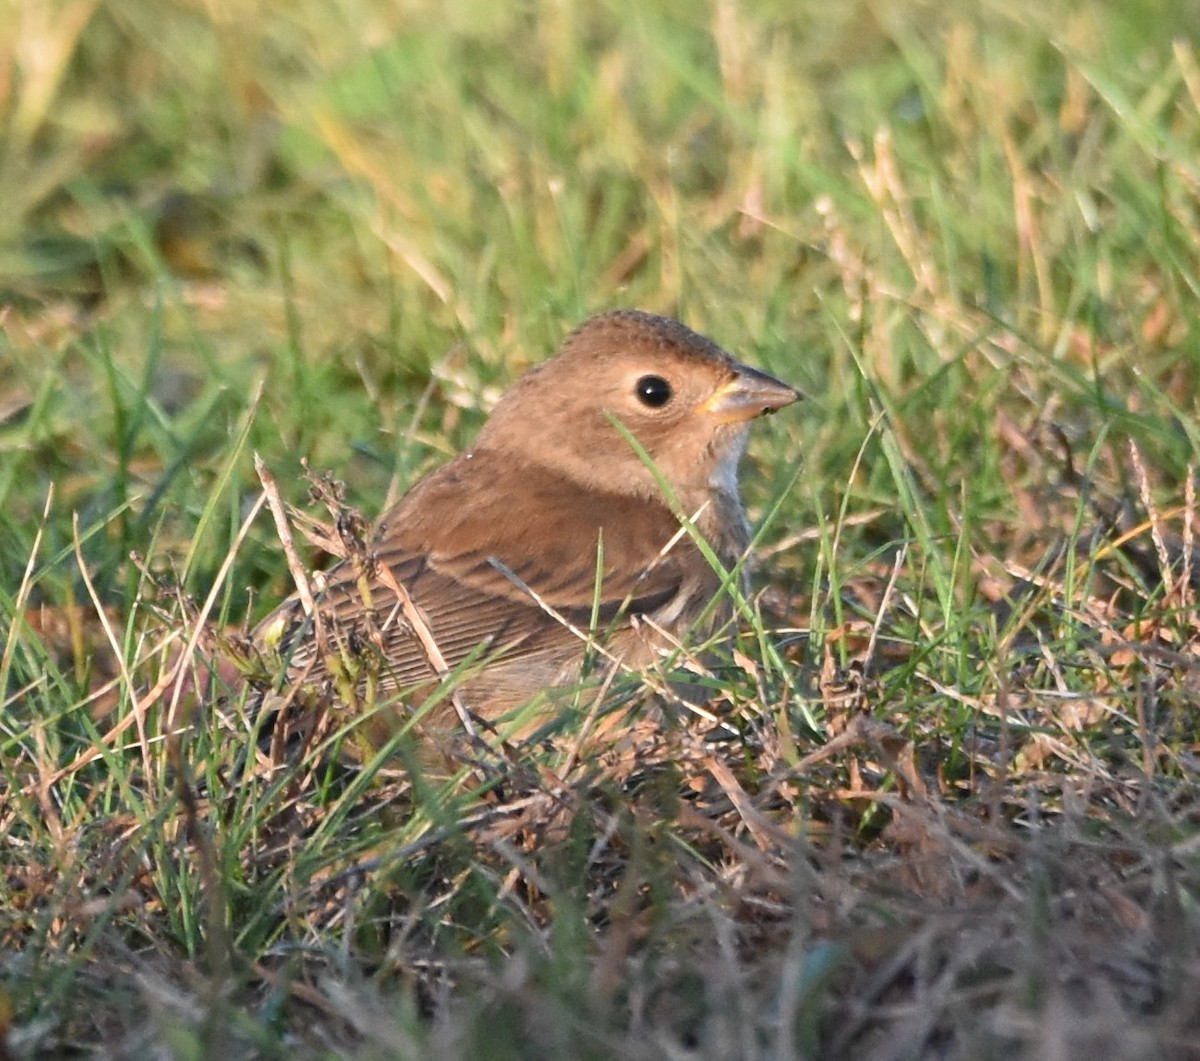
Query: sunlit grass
944	798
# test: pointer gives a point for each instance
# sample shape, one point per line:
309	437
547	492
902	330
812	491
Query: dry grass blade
941	801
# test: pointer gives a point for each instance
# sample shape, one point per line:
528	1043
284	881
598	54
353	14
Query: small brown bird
549	527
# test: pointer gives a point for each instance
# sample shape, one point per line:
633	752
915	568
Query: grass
953	810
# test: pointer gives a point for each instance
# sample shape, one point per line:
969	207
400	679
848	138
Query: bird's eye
653	391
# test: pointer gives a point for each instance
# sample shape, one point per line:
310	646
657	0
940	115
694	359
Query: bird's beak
747	395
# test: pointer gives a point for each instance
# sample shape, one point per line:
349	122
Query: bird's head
686	402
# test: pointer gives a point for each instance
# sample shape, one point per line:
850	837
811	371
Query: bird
574	527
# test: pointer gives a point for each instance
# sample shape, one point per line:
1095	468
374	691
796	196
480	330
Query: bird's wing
472	560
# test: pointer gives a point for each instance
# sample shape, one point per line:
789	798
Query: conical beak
749	394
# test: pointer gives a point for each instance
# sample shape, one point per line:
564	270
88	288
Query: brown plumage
550	485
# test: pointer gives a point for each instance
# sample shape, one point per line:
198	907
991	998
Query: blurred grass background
337	230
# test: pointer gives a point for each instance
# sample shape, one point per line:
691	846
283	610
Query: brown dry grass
944	801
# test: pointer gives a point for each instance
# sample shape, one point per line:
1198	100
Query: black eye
653	391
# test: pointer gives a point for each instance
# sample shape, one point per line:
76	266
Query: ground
940	801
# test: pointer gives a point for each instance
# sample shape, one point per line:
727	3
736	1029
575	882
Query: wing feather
469	558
